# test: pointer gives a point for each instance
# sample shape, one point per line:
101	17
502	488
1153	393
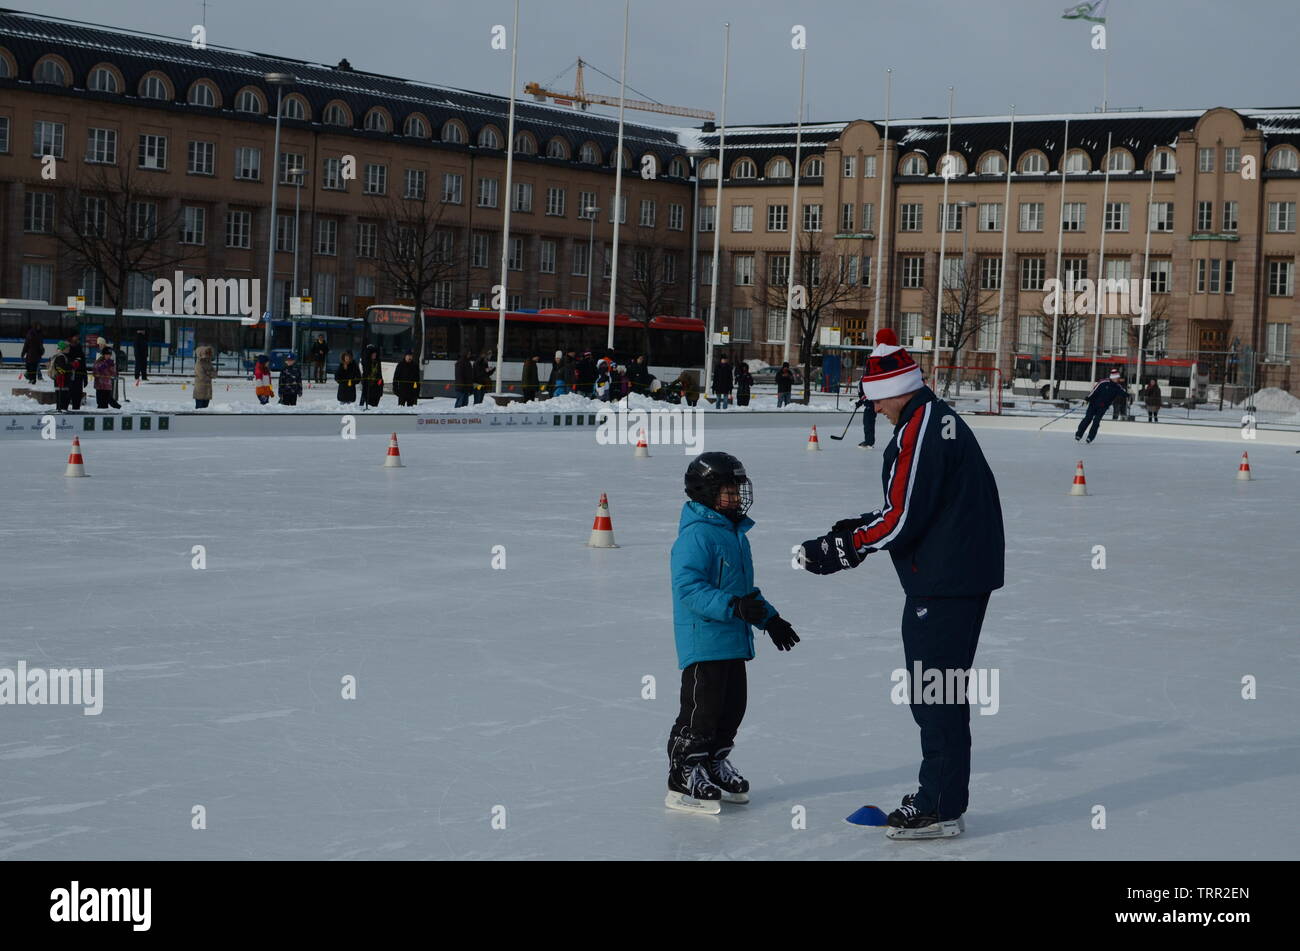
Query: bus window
518	340
438	332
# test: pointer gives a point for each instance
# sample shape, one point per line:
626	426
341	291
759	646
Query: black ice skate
908	822
735	787
690	789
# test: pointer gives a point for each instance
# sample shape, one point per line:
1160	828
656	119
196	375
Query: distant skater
1103	394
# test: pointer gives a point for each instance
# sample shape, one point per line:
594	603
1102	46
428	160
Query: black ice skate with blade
908	822
735	787
690	789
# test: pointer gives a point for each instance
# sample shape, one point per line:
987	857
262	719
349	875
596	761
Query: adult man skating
1103	394
942	525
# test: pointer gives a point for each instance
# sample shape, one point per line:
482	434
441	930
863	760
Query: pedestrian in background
482	378
1153	400
290	381
77	365
33	351
528	382
744	383
372	376
406	380
204	373
262	379
722	384
141	355
1119	408
348	375
61	374
104	371
784	380
320	351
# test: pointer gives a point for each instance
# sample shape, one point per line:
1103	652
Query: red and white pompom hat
891	371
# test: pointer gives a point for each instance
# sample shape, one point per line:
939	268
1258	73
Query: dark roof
29	37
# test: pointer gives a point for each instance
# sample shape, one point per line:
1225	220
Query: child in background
262	380
290	381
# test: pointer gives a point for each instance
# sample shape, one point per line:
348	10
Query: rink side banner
52	426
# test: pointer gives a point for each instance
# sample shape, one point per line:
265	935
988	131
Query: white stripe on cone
642	450
814	444
1243	470
394	458
76	466
602	529
1080	486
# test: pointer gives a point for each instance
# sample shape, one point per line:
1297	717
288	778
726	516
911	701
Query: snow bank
1274	400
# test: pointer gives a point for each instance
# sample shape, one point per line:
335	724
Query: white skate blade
706	807
939	830
735	796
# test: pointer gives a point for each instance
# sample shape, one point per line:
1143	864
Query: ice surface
522	687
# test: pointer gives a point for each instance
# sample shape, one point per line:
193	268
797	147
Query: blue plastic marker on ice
868	816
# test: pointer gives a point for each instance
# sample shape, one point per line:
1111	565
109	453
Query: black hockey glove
749	609
782	634
849	524
831	553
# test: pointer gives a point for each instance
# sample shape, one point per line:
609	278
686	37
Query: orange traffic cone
1080	486
1243	470
642	450
76	467
394	458
602	529
813	444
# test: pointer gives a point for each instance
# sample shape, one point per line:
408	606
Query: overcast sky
1165	54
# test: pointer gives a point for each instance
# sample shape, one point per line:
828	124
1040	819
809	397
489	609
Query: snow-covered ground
522	688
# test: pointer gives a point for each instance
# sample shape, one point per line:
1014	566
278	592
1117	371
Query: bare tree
650	280
966	307
824	287
110	223
415	247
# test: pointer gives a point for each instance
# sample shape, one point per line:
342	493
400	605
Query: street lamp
591	211
279	81
297	175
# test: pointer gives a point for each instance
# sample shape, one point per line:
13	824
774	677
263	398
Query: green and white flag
1094	10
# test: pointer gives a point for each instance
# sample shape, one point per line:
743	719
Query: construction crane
580	98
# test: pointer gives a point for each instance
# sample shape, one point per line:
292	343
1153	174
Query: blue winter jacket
711	564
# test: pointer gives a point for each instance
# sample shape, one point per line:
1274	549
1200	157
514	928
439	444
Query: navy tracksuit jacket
1103	394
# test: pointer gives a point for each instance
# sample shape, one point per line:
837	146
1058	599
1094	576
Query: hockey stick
847	425
1055	418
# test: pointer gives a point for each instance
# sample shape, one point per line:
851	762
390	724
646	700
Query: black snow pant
712	706
941	634
1092	416
869	424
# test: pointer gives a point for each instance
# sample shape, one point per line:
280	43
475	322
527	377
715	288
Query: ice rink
517	693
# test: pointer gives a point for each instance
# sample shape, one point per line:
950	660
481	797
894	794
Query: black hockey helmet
709	472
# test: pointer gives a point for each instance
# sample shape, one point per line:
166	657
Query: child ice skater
714	604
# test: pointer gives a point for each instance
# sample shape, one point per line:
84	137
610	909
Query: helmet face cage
706	477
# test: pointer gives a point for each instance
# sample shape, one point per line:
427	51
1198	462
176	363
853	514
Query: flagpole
1146	273
794	210
618	185
1060	238
886	171
1006	228
717	214
943	242
505	227
1101	262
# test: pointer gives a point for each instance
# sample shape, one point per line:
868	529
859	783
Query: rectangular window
707	215
1117	216
201	158
1075	216
1232	159
376	179
152	152
670	268
706	269
38	282
101	146
453	188
846	217
1205	160
1281	216
986	335
640	264
868	218
332	175
742	218
778	217
1033	273
1074	270
743	266
1230	213
239	229
1114	335
442	294
1281	278
676	216
1205	216
327	236
587	205
742	320
415	184
47	139
953	217
288	162
1031	215
284	233
952	271
1229	277
776	325
649	212
248	164
194	225
778	270
909	328
487	192
1277	342
1118	269
869	166
991	274
367	239
481	250
990	216
94	216
866	270
92	284
812	217
1161	272
581	258
1029	332
144	218
609	261
4	147
523	200
622	211
555	201
1200	276
38	212
913	272
848	269
910	217
546	257
1216	267
850	165
1162	216
516	258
